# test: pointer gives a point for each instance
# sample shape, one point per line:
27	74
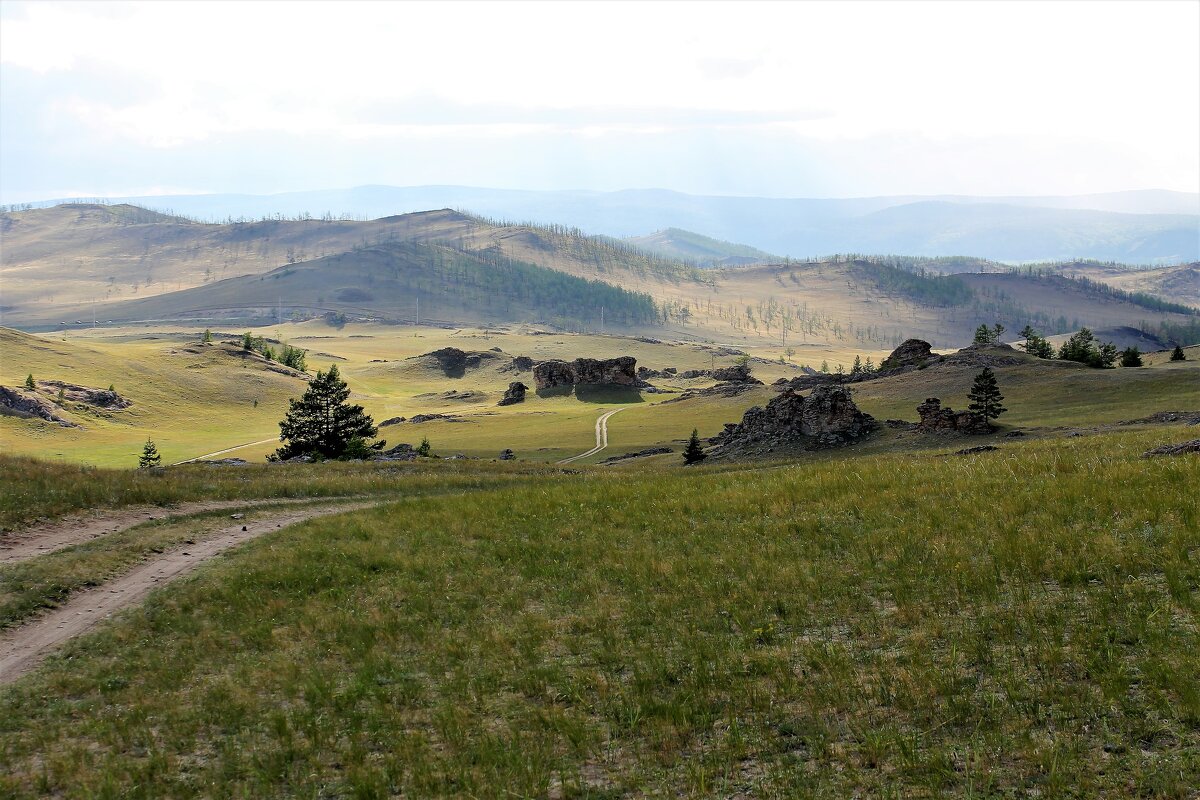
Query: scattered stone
589	371
827	418
514	394
1166	417
222	462
236	516
391	421
900	424
1014	434
935	419
649	451
507	455
419	418
982	448
1174	449
717	390
23	403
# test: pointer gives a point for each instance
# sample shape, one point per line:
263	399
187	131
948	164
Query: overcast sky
773	99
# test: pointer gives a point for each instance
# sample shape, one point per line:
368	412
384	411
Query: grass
31	489
1012	623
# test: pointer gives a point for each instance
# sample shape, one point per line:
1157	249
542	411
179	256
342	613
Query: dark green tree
247	341
985	396
983	335
694	452
1131	357
322	423
207	336
423	448
149	457
1035	344
1083	348
29	384
1177	354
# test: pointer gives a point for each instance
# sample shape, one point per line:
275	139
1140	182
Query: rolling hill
1144	226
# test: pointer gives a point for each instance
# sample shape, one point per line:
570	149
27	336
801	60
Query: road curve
24	647
601	437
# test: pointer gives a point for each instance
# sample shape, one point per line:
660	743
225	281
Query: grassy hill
700	249
55	261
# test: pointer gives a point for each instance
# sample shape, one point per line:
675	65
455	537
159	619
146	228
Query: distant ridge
1144	227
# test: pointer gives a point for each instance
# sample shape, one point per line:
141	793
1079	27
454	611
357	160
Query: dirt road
25	647
601	437
47	537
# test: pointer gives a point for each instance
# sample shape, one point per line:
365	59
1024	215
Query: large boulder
23	403
619	371
936	419
827	418
514	394
910	354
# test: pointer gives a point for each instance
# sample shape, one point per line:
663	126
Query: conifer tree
149	457
322	423
29	384
1177	354
694	452
423	448
985	396
207	336
1131	357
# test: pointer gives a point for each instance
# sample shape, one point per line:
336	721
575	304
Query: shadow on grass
595	393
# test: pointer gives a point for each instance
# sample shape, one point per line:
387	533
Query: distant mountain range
1146	227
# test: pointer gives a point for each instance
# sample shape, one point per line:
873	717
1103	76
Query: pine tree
149	457
29	384
247	341
1177	354
207	336
1131	357
1035	344
322	423
423	448
983	335
985	396
694	452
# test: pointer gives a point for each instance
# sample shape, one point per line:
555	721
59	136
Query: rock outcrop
827	418
1174	449
739	373
518	364
935	419
910	354
619	371
101	398
978	356
22	403
514	394
507	454
455	362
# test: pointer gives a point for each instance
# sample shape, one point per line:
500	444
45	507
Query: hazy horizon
772	100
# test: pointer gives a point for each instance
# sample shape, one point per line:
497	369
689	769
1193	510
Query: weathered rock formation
935	419
101	398
514	394
649	451
401	452
507	454
911	353
986	355
828	417
666	372
1174	449
22	403
589	371
739	373
518	364
455	362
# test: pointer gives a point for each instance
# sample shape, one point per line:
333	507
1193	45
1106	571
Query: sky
775	99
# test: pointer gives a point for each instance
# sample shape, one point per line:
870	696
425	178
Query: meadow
1006	623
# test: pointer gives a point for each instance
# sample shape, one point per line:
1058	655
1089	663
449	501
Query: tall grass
1012	623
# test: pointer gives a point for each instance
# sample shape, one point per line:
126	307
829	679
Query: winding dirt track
25	647
47	537
601	437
